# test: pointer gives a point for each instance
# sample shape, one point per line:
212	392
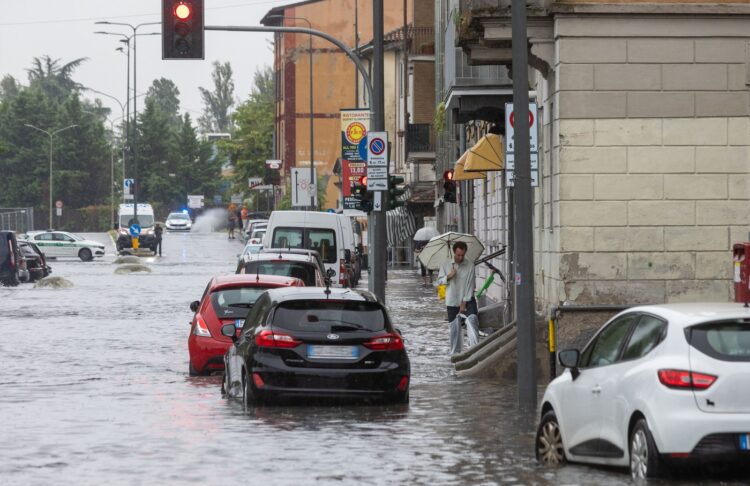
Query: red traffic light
448	175
363	180
183	10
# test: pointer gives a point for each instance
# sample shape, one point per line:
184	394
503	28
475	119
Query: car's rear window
235	303
322	240
301	270
727	340
329	316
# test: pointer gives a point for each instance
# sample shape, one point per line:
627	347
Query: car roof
284	255
689	314
321	293
253	280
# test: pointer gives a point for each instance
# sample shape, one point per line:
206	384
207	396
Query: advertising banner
355	123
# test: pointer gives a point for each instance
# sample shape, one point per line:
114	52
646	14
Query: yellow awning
459	174
486	155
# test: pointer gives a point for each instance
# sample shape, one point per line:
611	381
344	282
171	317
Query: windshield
319	239
146	220
301	270
181	216
329	316
235	303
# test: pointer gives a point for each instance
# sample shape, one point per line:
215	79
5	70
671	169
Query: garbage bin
741	258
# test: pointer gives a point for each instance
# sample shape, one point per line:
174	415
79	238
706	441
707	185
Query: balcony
420	137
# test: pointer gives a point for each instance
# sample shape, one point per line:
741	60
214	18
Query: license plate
238	323
745	442
332	352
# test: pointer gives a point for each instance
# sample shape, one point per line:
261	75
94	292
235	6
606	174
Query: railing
420	138
422	41
19	220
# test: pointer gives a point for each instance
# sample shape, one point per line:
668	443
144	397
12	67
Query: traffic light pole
377	219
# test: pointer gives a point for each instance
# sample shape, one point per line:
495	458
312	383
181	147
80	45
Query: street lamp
313	182
50	135
135	109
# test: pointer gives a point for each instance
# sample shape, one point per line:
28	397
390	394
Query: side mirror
230	331
569	359
195	305
330	273
348	256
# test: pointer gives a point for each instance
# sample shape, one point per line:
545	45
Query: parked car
657	385
303	264
56	244
315	342
12	264
257	236
227	299
251	225
35	261
178	222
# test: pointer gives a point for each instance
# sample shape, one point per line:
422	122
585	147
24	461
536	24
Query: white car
178	221
58	244
656	385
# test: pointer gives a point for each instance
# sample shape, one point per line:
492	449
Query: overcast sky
64	29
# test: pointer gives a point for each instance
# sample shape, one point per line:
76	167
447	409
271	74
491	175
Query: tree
198	169
155	146
252	139
54	79
9	88
216	115
166	95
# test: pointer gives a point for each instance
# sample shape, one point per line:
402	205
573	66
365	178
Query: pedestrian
240	223
232	223
425	272
458	276
243	215
158	230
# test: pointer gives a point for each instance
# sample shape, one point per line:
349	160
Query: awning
459	174
486	154
400	222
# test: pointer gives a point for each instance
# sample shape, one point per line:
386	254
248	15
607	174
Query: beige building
644	145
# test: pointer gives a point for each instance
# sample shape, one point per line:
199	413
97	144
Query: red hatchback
226	300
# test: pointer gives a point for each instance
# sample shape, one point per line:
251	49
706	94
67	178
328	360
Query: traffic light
449	186
394	191
362	195
182	29
272	177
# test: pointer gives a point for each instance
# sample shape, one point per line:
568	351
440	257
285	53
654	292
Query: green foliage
217	103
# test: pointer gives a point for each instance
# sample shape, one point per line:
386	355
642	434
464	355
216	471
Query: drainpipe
555	311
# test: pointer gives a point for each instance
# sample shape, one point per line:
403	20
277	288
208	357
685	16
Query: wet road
95	390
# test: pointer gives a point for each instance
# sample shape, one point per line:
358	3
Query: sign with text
510	122
355	123
302	190
351	172
195	201
377	161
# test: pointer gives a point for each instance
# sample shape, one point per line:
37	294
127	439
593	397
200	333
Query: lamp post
50	135
313	182
135	109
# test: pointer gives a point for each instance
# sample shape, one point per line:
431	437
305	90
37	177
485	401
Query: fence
19	220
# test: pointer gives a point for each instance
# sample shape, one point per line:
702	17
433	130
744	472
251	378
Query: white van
125	216
327	233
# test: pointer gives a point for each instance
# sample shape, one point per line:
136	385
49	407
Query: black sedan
316	342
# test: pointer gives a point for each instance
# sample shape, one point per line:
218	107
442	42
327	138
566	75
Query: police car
63	244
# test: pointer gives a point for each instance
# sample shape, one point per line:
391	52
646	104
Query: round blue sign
362	149
135	230
377	146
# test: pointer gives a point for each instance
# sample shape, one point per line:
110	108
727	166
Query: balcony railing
420	138
422	41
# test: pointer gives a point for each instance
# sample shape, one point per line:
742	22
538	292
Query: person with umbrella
421	238
458	276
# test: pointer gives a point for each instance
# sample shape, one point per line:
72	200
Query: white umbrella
424	234
440	249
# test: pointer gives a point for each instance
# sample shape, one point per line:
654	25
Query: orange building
334	79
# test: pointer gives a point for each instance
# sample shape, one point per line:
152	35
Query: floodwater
95	390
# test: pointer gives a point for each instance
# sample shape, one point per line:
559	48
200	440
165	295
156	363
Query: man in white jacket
458	276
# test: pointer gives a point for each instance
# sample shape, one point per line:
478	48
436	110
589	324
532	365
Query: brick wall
652	158
424	92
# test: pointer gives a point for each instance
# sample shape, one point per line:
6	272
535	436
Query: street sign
273	164
58	204
377	161
362	149
377	204
377	173
302	190
254	181
135	230
377	184
510	164
195	201
127	184
59	211
510	122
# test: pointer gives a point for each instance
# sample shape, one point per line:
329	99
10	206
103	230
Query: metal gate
20	220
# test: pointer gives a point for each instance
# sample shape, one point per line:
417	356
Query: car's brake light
201	329
386	342
270	339
403	384
686	379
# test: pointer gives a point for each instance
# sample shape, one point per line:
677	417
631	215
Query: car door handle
596	390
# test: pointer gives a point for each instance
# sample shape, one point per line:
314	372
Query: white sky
64	29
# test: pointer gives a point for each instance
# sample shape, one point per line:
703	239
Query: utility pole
377	219
524	277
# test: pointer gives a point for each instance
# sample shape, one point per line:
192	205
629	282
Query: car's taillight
270	339
386	342
686	379
342	272
201	329
403	384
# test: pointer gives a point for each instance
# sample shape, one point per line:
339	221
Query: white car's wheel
645	462
85	255
549	444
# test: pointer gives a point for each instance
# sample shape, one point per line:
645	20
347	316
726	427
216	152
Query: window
301	270
727	341
44	237
256	315
235	303
319	239
329	316
605	348
648	333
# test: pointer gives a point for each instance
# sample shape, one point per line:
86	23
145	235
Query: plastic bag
441	291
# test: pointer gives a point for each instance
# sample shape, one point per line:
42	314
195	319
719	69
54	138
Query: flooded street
95	390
